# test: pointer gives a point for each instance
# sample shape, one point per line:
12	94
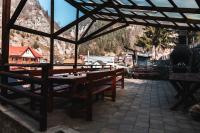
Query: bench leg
89	108
122	84
32	102
50	98
114	94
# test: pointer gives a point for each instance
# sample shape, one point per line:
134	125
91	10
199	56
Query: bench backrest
119	72
59	71
100	78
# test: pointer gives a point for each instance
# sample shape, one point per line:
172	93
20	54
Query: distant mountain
34	17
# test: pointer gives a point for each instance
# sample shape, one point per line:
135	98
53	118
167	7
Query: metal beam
153	18
159	9
88	28
76	39
79	20
98	31
64	39
198	3
51	38
155	25
40	33
183	15
107	32
17	13
76	5
31	31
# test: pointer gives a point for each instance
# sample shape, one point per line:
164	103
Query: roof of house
100	62
19	51
71	61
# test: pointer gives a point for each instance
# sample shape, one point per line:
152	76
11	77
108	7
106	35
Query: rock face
34	17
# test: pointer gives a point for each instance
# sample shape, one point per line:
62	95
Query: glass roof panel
126	12
193	25
89	7
139	20
186	3
106	11
129	19
182	24
140	13
173	14
198	25
111	10
141	2
192	16
165	22
151	21
161	3
155	14
124	2
97	1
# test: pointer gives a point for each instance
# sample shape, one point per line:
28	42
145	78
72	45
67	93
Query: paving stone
138	129
142	124
125	127
171	128
156	131
108	130
156	125
142	107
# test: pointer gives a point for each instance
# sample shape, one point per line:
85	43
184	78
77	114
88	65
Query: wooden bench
145	73
98	83
119	73
61	71
56	89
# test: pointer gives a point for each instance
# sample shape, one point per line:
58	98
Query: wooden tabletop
68	78
187	77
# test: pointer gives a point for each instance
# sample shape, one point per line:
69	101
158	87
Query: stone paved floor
142	107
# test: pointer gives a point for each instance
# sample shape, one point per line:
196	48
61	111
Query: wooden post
5	41
44	93
114	86
52	38
122	84
5	31
76	40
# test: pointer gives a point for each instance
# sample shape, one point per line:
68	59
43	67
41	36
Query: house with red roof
23	55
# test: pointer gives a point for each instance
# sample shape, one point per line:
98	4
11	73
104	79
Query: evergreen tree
158	37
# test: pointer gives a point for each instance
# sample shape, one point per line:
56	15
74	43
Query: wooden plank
22	92
21	108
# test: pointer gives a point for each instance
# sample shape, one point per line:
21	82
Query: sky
64	12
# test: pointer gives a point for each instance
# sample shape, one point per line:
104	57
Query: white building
92	60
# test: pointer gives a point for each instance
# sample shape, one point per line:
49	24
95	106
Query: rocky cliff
34	17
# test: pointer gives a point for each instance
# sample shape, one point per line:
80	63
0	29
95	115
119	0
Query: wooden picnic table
186	84
68	78
71	83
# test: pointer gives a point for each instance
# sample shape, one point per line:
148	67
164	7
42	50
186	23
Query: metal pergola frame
95	14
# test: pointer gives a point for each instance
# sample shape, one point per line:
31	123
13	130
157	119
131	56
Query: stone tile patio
142	107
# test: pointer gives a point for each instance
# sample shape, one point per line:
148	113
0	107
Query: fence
10	91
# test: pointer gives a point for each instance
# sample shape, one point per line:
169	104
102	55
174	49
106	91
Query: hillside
34	17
